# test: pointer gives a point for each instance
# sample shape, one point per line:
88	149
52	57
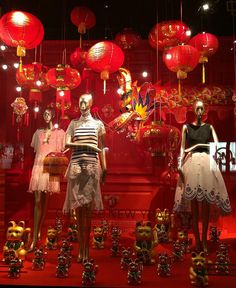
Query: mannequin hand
181	174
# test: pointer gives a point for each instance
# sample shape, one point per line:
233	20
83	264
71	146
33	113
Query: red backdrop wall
134	177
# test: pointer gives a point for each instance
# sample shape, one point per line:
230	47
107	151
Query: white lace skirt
203	181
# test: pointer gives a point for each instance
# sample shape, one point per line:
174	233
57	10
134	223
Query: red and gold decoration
168	34
127	39
182	60
83	18
33	77
55	163
207	44
158	138
63	78
22	30
105	57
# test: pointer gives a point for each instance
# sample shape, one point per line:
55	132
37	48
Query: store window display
200	182
44	141
85	136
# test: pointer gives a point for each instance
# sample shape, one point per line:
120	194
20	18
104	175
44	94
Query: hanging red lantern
158	138
63	78
207	44
22	30
83	18
181	59
169	34
33	77
127	39
105	57
77	57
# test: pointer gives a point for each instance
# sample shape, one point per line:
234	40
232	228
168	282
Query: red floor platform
109	272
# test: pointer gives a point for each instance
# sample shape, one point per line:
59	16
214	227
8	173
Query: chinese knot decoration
20	110
22	30
63	78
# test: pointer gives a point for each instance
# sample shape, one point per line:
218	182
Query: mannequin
200	181
85	136
44	141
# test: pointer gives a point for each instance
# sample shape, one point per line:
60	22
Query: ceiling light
3	47
16	65
4	66
205	6
36	109
144	74
56	125
18	88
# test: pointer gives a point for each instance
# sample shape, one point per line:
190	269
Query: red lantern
105	57
127	39
63	78
158	138
207	44
168	34
181	59
83	18
22	30
78	56
33	77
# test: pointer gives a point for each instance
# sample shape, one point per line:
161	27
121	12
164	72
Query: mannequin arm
70	144
103	158
196	146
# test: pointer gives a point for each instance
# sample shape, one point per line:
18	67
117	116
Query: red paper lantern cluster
22	30
158	138
127	39
105	57
33	77
63	78
168	34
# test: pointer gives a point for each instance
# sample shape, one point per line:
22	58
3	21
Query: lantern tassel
80	41
179	90
203	74
104	87
20	65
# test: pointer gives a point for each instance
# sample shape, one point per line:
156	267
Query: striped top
85	130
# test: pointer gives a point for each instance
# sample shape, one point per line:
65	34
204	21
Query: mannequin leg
40	205
195	215
80	217
205	223
44	205
84	229
87	231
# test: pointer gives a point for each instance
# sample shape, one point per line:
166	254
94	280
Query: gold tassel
203	73
179	90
